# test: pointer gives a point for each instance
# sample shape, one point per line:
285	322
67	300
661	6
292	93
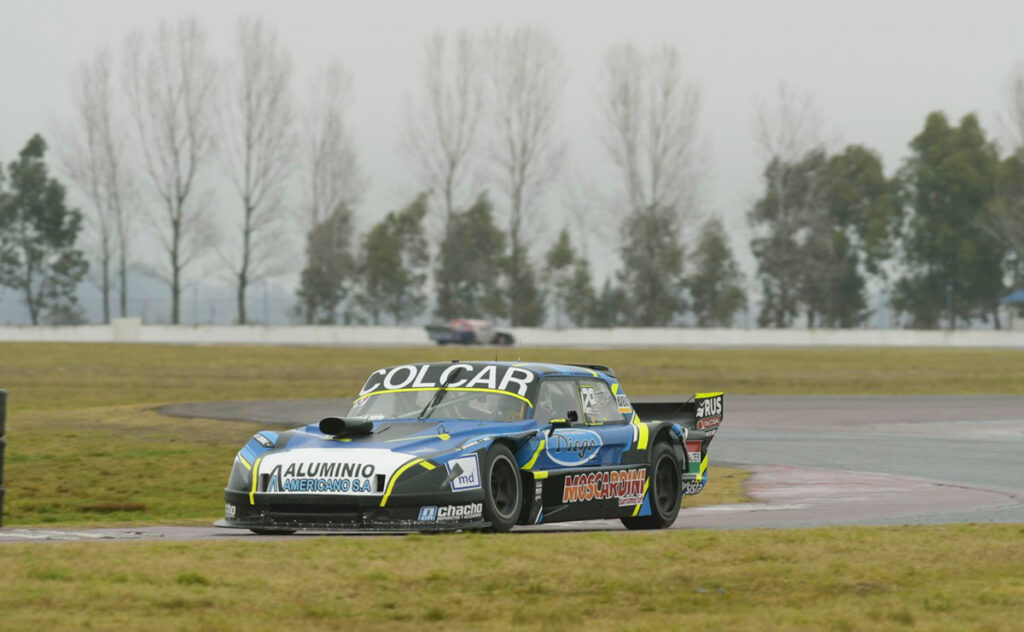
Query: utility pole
949	306
266	304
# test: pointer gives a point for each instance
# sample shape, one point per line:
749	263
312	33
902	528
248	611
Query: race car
478	445
465	331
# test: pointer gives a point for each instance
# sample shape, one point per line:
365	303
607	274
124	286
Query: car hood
305	459
425	438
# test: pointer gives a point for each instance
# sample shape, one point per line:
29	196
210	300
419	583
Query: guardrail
132	330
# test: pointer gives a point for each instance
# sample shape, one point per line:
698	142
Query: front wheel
665	491
503	489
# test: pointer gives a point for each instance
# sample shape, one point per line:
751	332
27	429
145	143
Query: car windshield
452	404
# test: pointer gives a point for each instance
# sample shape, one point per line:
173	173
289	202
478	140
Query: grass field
903	578
75	376
86	448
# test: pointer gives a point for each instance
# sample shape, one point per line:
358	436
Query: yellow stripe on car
540	474
533	459
442	437
255	479
641	432
394	477
245	463
636	510
427	465
450	388
703	466
706	395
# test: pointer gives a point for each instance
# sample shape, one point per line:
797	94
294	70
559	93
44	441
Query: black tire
271	532
666	491
503	489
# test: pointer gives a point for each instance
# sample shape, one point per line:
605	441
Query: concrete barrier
131	330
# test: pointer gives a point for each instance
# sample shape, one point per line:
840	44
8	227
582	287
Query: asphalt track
815	461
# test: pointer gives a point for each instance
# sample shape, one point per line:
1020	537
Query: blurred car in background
465	331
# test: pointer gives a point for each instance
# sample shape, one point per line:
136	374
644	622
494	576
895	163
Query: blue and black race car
478	445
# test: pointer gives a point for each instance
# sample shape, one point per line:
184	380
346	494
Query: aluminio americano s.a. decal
326	471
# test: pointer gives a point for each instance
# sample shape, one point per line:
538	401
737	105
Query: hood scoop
345	426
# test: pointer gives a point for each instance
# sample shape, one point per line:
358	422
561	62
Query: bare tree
1015	108
788	127
257	146
94	157
170	84
1004	219
652	114
332	174
526	79
442	129
784	132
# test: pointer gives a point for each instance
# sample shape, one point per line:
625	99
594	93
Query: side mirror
570	417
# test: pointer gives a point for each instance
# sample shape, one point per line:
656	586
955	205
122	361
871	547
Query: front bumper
313	512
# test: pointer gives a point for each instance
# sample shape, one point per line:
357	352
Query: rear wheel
503	489
665	491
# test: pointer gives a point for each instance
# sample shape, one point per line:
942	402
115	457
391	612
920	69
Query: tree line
159	122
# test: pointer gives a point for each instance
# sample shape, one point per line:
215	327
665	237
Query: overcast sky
876	68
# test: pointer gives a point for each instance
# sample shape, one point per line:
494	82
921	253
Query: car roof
542	369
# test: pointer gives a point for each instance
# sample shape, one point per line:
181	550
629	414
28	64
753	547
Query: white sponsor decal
623	403
492	376
229	510
345	471
451	513
693	457
710	407
469	477
692	489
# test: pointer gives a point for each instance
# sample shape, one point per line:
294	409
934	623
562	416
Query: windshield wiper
440	393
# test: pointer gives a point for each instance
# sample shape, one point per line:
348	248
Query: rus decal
627	486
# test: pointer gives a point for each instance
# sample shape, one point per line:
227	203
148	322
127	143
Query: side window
555	399
599	405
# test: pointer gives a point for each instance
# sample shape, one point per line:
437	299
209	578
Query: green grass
894	578
75	376
85	448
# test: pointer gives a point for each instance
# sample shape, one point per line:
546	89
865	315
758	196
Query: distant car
466	331
478	445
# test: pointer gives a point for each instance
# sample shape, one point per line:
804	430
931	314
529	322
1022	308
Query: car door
586	477
600	414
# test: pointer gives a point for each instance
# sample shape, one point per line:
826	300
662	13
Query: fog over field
871	71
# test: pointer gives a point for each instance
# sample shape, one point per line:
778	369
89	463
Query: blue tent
1017	298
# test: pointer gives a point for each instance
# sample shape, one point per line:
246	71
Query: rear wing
700	416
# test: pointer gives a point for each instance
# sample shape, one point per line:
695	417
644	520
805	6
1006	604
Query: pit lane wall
131	330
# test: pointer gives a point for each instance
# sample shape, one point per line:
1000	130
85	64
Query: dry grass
75	376
896	578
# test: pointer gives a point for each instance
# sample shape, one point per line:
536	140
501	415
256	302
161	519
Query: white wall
132	330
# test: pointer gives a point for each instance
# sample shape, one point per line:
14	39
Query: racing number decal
588	397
